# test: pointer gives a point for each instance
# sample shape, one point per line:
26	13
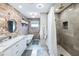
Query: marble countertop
7	44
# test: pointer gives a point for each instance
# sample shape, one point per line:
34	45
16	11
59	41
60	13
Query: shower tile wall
69	38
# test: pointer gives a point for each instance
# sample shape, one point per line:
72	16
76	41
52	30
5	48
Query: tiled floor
27	53
62	51
35	49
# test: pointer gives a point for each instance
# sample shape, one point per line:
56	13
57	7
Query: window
65	25
34	23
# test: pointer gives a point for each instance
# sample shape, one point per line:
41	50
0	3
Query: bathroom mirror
11	25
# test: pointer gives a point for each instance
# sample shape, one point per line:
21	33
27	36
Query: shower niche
65	25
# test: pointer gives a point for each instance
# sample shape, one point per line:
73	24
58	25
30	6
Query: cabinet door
7	52
15	49
12	51
22	46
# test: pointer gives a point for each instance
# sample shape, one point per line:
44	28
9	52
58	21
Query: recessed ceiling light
33	13
39	6
20	6
70	9
33	16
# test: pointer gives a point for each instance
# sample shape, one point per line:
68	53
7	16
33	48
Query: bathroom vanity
15	46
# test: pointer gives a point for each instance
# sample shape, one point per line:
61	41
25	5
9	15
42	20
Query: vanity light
39	6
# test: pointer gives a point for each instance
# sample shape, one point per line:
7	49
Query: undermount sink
3	40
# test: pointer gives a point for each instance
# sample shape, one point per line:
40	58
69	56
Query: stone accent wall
6	13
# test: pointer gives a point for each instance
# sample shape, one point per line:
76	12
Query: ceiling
27	9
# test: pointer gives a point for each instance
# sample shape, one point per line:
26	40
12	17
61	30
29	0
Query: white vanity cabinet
29	38
6	53
15	46
22	46
16	49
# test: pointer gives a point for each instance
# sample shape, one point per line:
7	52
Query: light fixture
33	13
40	6
20	6
33	16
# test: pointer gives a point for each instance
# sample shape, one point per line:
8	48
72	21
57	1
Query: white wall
43	27
52	41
